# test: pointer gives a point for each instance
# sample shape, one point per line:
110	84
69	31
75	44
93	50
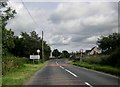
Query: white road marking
88	84
61	67
67	70
57	63
71	73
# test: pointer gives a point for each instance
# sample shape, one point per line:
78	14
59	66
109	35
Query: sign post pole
38	51
33	61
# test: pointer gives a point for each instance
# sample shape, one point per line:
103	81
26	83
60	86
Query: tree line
22	46
64	54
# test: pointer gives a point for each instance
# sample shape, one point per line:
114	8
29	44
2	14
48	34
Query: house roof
93	48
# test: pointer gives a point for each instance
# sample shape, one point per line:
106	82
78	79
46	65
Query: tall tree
109	43
56	53
28	45
7	40
6	13
65	54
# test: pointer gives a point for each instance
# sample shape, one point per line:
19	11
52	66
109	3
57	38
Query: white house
94	50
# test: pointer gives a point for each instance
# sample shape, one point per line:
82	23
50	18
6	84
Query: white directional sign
34	56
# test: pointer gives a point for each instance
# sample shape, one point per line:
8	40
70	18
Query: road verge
19	76
106	69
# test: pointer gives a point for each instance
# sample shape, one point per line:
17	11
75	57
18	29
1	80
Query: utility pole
42	48
81	51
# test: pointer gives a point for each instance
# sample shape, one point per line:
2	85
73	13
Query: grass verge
19	76
106	69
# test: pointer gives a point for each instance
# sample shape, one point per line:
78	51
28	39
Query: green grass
19	76
0	81
106	69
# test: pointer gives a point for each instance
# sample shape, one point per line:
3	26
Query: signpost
33	57
38	51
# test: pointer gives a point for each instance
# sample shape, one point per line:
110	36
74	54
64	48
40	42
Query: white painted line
71	73
61	67
57	63
88	84
66	70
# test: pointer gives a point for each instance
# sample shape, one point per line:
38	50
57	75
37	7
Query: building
94	50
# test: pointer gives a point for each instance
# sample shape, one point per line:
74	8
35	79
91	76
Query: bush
11	63
114	59
96	59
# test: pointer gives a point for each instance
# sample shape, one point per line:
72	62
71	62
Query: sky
67	26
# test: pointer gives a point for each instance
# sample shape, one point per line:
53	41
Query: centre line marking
61	67
67	70
88	84
71	73
57	63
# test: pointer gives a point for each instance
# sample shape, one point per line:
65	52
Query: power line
29	14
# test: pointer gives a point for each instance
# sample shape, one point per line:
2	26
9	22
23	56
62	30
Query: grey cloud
55	18
68	26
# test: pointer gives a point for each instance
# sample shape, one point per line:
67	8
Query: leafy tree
56	53
24	46
109	43
47	51
65	54
6	13
28	45
7	40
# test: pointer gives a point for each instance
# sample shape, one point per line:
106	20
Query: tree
47	51
56	53
109	43
65	54
18	48
6	13
7	40
28	45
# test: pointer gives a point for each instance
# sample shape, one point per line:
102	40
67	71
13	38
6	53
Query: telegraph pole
42	47
81	51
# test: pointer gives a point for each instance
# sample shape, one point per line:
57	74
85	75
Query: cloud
91	39
85	22
60	40
67	25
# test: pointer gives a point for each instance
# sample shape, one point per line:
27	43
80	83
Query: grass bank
106	69
19	76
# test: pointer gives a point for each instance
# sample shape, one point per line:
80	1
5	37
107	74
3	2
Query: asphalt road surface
58	72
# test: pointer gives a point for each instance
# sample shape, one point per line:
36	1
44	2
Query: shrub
114	59
11	63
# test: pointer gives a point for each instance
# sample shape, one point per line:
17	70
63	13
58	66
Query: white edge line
88	84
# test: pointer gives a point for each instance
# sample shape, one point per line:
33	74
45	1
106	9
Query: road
58	72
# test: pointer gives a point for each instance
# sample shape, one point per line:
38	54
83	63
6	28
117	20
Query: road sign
34	56
38	51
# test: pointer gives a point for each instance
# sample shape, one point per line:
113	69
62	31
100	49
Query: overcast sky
66	25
